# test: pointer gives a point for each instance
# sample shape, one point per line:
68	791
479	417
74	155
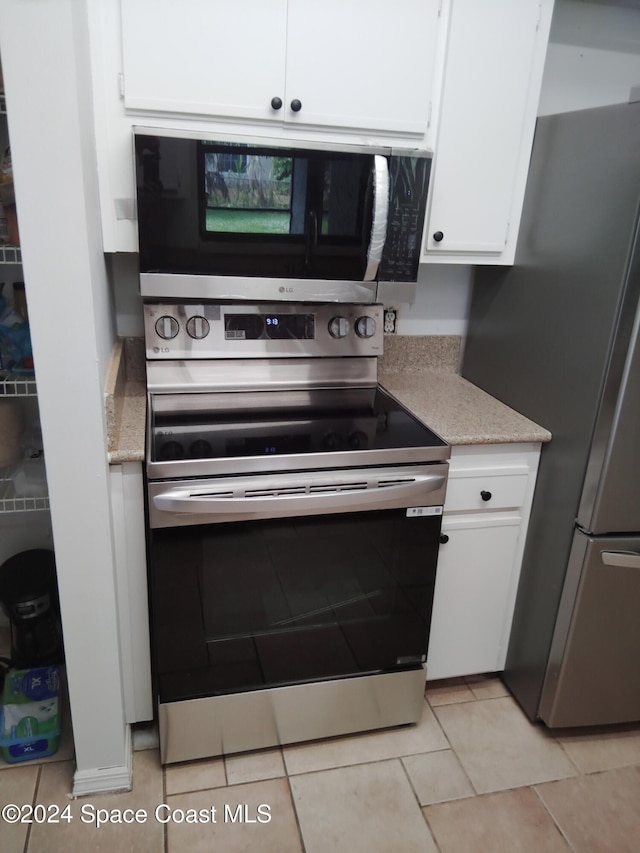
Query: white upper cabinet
362	65
493	73
460	77
211	58
338	63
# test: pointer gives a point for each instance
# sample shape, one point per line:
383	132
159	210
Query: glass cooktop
373	421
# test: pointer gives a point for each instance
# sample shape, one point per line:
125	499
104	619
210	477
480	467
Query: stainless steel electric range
294	520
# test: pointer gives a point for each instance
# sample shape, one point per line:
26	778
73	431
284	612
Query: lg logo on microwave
285	289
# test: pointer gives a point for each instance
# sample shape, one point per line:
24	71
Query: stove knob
170	451
365	326
167	327
333	441
358	440
197	327
200	449
338	327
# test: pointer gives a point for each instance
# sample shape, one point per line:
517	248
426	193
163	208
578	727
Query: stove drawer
485	491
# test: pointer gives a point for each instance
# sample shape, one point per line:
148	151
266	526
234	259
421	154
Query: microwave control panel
409	185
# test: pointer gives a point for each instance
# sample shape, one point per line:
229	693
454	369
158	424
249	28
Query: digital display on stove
274	444
253	327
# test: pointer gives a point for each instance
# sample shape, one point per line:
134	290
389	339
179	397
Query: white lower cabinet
475	567
485	521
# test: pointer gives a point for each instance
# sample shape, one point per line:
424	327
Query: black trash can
29	598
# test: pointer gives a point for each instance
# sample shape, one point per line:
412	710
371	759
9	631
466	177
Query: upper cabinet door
204	57
495	58
335	63
362	65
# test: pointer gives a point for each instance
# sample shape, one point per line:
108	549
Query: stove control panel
177	330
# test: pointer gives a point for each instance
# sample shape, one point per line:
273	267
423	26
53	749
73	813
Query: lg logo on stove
162	349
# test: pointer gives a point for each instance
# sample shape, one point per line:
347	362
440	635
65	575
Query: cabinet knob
438	236
276	103
444	538
296	105
486	496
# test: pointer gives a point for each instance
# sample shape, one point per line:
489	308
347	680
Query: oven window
248	605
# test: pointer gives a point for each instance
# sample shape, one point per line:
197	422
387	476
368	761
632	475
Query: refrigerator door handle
621	559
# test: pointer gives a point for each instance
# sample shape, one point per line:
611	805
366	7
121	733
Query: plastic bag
7	193
15	340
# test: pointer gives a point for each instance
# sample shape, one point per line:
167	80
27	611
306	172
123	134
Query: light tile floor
473	775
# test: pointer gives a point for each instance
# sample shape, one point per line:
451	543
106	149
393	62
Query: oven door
335	585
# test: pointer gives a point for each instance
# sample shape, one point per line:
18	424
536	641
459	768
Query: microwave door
340	193
380	216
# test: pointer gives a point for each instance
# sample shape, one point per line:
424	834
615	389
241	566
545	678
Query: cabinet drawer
485	491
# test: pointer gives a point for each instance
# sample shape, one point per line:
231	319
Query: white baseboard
100	780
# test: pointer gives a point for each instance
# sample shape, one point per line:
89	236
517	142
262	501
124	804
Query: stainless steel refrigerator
556	338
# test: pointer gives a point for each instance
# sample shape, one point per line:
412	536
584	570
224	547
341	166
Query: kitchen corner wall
593	58
441	303
123	272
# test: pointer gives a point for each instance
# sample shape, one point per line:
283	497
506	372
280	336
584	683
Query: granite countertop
458	411
419	370
125	402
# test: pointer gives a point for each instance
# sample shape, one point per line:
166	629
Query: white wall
46	71
593	57
124	275
441	303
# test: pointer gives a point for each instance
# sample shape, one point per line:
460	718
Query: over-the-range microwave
263	220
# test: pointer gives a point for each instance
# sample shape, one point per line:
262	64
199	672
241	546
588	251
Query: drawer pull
486	496
444	538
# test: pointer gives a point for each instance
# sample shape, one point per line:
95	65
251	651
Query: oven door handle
201	501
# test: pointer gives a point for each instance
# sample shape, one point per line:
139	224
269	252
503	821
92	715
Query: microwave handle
312	238
380	216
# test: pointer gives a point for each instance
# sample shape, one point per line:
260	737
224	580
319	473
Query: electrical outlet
390	321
